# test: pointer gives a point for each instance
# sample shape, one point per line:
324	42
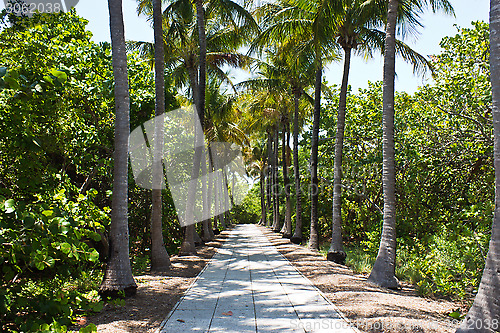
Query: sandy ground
156	294
370	308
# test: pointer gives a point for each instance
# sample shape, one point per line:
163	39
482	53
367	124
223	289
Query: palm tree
484	315
160	260
287	225
118	275
355	23
290	68
383	272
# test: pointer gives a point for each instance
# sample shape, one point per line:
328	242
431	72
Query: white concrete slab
248	286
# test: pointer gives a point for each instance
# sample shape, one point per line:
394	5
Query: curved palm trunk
486	308
287	226
160	261
336	252
297	235
118	275
276	192
383	272
313	240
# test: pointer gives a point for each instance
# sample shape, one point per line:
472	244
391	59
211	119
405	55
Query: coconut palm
118	275
383	272
292	68
485	310
160	260
356	22
221	35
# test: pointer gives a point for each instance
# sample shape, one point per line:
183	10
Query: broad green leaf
3	71
29	222
9	206
90	328
65	248
47	213
61	76
48	79
94	256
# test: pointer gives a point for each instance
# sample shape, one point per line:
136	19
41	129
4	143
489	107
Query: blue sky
436	26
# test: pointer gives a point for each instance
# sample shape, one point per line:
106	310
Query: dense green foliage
444	164
56	104
57	133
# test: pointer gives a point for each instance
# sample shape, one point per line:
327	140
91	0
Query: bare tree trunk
263	212
200	21
383	272
484	315
118	275
226	197
313	238
276	188
269	179
208	233
188	245
287	226
160	260
336	252
297	235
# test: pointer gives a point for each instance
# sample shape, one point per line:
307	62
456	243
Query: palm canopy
227	29
284	23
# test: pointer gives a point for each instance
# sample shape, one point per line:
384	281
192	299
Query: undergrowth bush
50	270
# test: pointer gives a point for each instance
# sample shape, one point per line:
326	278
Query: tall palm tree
118	275
486	308
189	57
383	272
310	22
356	22
160	260
290	65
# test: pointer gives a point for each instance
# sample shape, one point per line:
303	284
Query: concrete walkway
249	286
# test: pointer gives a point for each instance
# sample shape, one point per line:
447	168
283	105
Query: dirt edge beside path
156	294
367	306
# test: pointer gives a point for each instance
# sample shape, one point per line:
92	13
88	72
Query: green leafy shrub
49	267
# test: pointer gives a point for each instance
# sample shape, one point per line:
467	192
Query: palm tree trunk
297	234
188	246
263	212
118	275
200	21
336	252
193	82
208	233
276	192
313	240
287	226
160	261
269	178
383	272
227	203
484	315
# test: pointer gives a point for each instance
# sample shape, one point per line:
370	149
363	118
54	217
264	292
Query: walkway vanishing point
248	286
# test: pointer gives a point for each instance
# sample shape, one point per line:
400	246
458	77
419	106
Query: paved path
249	286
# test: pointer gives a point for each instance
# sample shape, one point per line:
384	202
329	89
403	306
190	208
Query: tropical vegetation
399	186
